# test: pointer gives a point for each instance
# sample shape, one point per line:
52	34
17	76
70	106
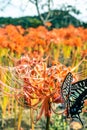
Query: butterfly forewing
66	86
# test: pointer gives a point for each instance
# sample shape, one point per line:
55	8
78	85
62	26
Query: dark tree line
61	19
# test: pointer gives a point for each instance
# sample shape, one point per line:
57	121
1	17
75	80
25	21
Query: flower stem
20	118
48	122
48	117
31	115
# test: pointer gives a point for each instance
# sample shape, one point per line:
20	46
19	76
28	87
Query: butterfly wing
66	86
65	89
74	96
76	99
78	90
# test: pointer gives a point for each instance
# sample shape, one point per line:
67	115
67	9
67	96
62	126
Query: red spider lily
18	39
42	84
48	24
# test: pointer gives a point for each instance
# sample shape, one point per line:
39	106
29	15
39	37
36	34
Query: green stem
15	115
20	118
48	122
48	117
31	116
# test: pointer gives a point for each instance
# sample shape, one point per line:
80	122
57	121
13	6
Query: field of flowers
33	65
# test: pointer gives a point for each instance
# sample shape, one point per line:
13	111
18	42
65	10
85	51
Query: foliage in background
59	19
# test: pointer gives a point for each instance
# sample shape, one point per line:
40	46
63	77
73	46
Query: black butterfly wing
65	89
78	90
66	86
74	96
77	96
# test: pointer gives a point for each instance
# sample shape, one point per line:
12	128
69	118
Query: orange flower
48	24
19	39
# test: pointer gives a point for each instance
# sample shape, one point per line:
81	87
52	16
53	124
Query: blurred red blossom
42	84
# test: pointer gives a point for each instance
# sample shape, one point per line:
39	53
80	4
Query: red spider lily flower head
42	84
48	24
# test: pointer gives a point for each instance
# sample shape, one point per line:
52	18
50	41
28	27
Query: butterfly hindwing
77	96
